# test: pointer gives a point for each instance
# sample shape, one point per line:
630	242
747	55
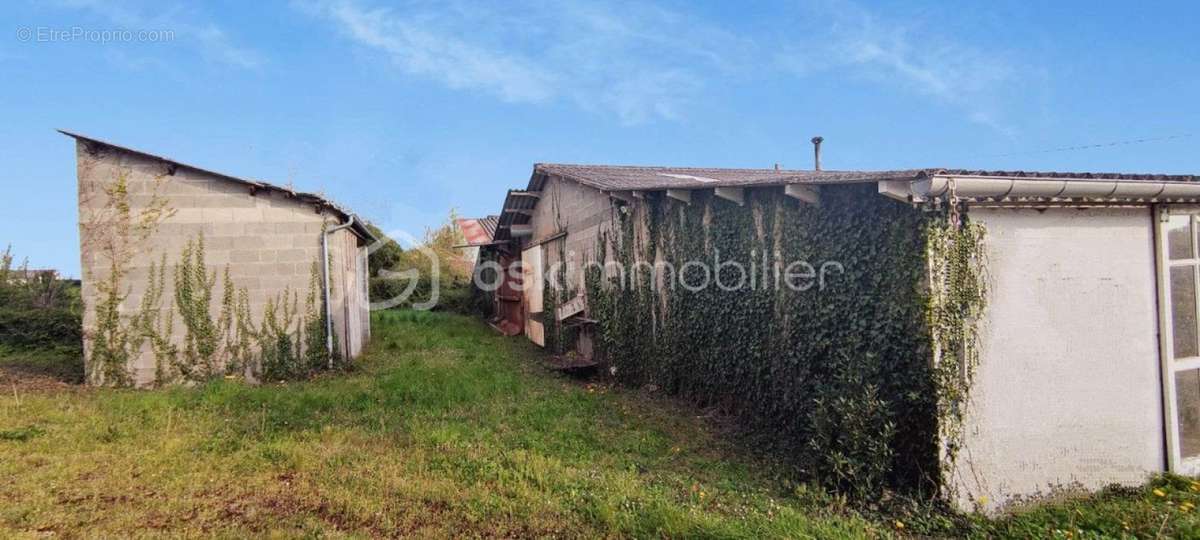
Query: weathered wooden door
509	297
531	275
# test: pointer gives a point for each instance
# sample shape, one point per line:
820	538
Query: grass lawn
443	429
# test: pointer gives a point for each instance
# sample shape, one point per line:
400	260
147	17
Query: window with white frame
1179	276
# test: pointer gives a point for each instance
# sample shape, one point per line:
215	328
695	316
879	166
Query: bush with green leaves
439	255
40	321
37	309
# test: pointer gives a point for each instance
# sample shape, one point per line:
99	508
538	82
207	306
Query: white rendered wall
1067	392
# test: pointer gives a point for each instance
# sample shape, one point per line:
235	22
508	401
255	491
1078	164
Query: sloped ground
445	429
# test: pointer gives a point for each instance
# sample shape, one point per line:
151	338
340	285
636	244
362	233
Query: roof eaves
314	198
1056	175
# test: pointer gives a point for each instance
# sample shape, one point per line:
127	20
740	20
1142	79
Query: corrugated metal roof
517	203
359	225
489	225
478	231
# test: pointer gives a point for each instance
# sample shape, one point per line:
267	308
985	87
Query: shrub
40	322
22	327
37	311
452	269
851	432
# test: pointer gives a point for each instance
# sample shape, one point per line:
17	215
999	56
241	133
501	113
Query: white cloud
904	55
217	45
424	50
206	37
642	63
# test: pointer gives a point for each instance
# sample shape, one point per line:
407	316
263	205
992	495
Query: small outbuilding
987	336
189	274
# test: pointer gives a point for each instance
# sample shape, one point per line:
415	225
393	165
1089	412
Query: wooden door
531	275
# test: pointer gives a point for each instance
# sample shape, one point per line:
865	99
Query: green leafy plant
278	341
958	296
837	376
194	286
117	232
156	325
851	432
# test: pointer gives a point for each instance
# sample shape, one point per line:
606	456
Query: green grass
444	429
1164	508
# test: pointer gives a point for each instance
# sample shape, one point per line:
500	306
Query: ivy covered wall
840	377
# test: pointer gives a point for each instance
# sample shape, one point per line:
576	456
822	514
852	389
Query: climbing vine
286	343
836	371
156	325
118	231
193	301
557	289
958	296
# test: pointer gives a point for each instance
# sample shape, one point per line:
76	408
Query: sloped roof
359	226
489	224
478	231
625	178
621	178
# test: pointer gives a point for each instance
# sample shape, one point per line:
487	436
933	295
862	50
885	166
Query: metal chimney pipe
817	152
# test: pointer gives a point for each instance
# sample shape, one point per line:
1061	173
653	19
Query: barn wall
268	241
579	210
1067	390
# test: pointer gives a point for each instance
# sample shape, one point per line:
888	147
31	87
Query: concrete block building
269	241
1086	370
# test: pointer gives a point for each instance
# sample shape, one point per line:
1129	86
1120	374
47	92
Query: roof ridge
673	168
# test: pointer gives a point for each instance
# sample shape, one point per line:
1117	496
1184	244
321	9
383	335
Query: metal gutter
989	187
325	287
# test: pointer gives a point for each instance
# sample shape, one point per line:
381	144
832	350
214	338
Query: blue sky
401	110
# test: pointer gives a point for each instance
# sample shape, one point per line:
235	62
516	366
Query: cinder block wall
583	212
269	241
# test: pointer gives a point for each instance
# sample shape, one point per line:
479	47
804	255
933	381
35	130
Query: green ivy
958	296
838	378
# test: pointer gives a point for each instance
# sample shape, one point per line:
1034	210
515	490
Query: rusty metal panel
477	231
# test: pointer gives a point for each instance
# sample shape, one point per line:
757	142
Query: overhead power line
1094	146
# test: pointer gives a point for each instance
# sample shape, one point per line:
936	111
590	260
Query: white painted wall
1067	391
